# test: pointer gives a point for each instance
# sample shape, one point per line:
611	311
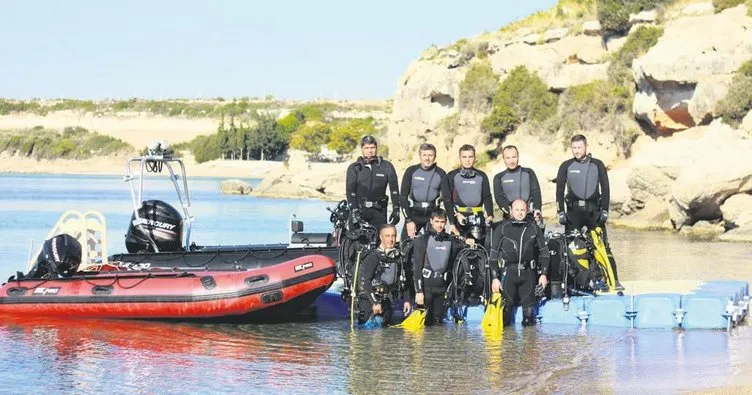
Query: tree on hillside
345	136
266	138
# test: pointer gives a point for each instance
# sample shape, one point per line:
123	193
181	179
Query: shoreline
115	166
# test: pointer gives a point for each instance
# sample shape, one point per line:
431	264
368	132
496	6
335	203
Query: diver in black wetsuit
516	182
470	193
519	260
379	279
433	258
423	186
365	187
588	194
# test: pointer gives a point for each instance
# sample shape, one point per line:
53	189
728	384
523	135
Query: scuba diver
470	197
519	260
434	253
365	187
586	204
380	280
516	182
423	184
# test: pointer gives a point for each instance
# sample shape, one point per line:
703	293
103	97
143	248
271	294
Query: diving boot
528	316
508	316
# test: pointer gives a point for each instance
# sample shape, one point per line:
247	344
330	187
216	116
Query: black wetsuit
520	183
365	187
421	191
433	260
377	266
587	195
518	255
469	189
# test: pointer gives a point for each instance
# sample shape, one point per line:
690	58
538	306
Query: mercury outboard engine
158	228
60	257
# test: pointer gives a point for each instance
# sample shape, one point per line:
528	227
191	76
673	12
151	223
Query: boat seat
311	238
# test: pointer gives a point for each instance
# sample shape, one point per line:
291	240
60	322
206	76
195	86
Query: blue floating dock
656	310
720	304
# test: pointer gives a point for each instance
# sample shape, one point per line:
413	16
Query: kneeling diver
434	253
379	281
519	256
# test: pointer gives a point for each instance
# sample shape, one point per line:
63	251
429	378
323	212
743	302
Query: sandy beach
134	128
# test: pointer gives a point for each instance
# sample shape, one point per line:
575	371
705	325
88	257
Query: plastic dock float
720	304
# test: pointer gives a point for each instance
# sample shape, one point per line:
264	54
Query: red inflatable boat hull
280	289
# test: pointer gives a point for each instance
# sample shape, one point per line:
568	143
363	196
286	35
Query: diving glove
563	218
394	218
603	218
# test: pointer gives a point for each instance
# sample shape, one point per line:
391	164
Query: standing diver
587	206
519	254
470	194
516	182
379	281
433	257
422	186
365	187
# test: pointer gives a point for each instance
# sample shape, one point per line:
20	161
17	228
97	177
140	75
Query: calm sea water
88	356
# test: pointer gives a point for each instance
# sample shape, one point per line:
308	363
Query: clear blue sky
189	48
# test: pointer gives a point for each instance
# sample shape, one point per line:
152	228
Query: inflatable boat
164	275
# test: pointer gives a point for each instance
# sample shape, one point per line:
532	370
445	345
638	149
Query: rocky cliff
676	162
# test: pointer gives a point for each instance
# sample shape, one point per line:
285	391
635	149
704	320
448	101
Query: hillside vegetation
71	143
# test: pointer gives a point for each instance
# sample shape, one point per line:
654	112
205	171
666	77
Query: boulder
650	215
703	230
531	39
614	43
651	183
707	182
707	94
235	187
747	122
690	63
739	234
552	35
591	54
647	16
324	181
592	28
737	210
698	9
576	74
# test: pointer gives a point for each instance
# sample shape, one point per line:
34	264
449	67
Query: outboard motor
60	257
158	228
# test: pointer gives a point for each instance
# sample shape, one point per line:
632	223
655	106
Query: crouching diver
434	253
519	254
379	281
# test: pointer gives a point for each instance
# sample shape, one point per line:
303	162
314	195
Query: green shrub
73	142
290	123
311	137
614	14
599	105
638	43
206	148
345	136
738	100
478	87
522	96
720	5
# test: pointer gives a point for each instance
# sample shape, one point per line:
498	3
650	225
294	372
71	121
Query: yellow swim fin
416	320
493	318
